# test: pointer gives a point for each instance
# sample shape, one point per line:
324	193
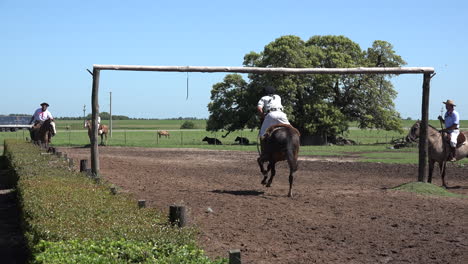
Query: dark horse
438	148
41	134
281	142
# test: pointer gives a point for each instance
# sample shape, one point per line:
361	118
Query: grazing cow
212	141
163	133
242	140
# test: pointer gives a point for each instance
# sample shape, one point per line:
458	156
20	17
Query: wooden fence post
95	112
83	165
234	256
423	146
177	215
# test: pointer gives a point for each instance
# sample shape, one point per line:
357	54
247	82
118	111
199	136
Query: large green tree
316	104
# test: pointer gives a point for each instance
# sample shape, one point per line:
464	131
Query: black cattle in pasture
242	140
212	141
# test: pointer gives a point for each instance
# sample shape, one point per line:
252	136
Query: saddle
273	128
460	139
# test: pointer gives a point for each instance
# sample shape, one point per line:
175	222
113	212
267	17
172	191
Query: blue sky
46	47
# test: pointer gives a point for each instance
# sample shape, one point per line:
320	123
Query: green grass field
374	145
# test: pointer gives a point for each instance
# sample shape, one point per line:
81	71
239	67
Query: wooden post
94	123
423	146
141	203
234	256
110	114
177	215
83	165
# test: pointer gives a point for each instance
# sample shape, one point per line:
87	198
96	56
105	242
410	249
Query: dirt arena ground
342	212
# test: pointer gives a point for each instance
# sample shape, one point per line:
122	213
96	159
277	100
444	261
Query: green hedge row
68	218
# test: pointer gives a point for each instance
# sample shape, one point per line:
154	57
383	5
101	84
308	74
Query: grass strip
68	216
427	189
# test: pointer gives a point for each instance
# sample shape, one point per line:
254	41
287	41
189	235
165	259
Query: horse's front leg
262	169
443	169
431	170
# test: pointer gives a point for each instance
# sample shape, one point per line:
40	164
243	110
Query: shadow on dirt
12	242
239	192
456	187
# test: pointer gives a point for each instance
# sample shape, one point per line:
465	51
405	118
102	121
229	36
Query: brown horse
163	133
103	131
438	147
280	143
42	133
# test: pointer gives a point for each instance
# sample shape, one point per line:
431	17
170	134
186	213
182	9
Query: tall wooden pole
110	114
94	123
423	146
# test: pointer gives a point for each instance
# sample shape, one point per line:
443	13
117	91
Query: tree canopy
316	104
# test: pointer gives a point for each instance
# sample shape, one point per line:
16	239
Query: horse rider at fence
39	116
452	125
270	110
99	125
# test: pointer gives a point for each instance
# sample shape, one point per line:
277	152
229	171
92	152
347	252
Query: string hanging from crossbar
186	98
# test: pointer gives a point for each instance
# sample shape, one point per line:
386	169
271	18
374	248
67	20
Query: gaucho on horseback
452	125
270	110
279	140
39	117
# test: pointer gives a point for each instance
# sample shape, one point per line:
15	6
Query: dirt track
342	212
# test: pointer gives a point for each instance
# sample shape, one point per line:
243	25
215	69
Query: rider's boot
452	154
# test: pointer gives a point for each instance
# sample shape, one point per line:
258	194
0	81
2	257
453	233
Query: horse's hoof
268	185
263	182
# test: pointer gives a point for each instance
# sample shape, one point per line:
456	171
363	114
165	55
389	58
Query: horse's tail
292	149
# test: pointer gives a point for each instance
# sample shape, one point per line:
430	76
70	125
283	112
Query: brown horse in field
439	148
163	133
281	142
103	131
41	134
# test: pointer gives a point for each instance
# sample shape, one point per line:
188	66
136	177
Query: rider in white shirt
41	115
452	125
270	109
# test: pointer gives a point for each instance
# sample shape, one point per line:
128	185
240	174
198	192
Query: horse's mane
429	125
45	125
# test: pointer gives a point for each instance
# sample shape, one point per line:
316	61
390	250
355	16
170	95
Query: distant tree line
106	116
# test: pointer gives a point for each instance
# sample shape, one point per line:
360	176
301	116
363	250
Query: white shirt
40	115
269	102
